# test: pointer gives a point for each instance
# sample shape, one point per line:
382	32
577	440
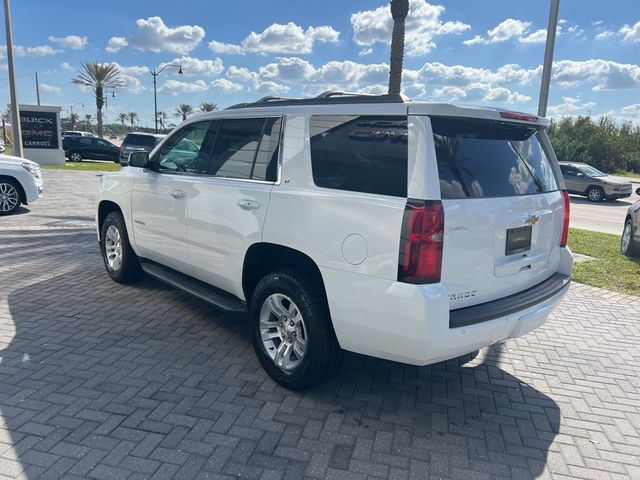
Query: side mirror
579	174
139	159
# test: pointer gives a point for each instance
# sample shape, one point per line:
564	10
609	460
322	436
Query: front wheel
121	262
627	247
595	194
292	332
75	156
9	196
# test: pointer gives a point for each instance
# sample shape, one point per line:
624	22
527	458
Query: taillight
519	116
565	225
421	242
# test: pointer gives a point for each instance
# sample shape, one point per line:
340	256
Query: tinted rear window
482	158
360	153
143	140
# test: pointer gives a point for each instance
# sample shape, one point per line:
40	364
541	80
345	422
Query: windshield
590	171
483	158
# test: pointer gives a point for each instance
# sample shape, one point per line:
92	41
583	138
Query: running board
192	286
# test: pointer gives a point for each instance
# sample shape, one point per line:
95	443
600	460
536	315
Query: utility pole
15	109
548	58
37	89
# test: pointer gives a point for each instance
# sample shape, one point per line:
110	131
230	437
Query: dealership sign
39	129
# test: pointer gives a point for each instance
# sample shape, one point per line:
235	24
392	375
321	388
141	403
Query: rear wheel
595	194
292	332
9	196
75	156
121	262
627	247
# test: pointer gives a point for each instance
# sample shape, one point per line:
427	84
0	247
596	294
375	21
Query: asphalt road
605	216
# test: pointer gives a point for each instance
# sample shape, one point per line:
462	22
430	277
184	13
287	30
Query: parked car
138	141
91	148
630	241
585	180
74	133
20	183
412	232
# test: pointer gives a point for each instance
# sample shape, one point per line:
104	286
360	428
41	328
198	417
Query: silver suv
583	179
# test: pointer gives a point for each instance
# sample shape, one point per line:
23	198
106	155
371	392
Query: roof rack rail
326	98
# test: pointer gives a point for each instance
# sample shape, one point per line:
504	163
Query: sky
462	51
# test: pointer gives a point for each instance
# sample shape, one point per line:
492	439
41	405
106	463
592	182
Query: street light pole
548	58
37	89
15	109
155	74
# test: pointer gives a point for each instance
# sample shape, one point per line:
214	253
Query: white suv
20	183
407	231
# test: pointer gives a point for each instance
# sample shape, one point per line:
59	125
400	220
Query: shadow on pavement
101	380
605	203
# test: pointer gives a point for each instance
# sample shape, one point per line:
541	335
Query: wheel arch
262	258
21	191
105	208
594	185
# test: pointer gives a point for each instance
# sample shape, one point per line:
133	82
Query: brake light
565	225
421	242
519	116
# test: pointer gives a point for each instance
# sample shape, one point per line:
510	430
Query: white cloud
512	29
50	89
605	35
20	51
135	70
570	106
480	92
632	109
631	33
67	67
279	38
74	42
132	84
422	25
606	74
270	87
223	85
194	66
240	73
153	35
174	87
116	43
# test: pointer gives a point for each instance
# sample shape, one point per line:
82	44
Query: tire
595	194
121	262
75	156
10	196
309	346
627	247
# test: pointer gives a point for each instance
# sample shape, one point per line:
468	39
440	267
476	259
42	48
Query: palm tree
87	118
162	118
183	110
399	12
133	116
99	76
123	117
205	107
73	119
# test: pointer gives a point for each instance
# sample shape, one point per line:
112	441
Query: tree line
602	143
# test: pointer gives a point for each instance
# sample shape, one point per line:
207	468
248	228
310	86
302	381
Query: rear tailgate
502	206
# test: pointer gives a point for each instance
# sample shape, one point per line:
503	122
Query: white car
412	232
20	183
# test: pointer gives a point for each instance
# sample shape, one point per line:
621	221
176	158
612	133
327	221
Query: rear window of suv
142	140
360	153
484	158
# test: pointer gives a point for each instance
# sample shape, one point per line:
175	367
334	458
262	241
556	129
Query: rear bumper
411	323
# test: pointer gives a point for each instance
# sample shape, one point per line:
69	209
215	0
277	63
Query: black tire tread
633	250
131	271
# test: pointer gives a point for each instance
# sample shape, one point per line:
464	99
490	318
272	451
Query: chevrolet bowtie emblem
532	220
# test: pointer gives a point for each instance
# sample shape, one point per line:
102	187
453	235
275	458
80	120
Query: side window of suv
187	151
366	154
247	148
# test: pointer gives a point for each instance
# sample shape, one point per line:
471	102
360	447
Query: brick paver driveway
103	381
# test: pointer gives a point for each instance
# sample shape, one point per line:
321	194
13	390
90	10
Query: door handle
178	194
247	204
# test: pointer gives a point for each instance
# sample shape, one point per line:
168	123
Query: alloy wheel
595	194
9	197
283	332
113	248
625	242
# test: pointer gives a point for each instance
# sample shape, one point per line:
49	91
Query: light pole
155	94
548	58
15	109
